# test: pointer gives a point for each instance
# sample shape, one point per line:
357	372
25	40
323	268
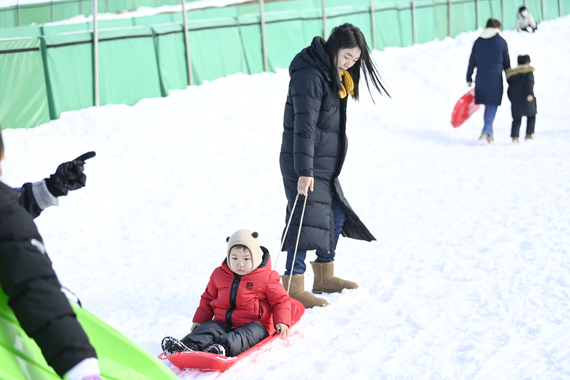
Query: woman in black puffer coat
313	150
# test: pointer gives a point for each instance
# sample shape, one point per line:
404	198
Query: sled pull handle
286	230
297	242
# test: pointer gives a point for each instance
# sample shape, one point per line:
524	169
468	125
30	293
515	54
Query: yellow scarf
348	82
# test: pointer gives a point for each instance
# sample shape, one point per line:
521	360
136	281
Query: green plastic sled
119	358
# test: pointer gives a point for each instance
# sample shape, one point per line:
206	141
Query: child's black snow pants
235	340
530	122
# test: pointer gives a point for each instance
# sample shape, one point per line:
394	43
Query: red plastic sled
464	108
205	361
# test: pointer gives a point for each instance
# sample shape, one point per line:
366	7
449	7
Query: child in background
521	95
243	299
525	21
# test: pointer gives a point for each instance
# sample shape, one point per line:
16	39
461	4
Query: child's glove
68	176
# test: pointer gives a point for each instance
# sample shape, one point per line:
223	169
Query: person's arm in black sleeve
36	197
33	289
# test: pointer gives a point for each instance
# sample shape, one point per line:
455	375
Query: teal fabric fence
46	70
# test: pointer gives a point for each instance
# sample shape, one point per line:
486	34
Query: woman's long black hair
348	36
1	143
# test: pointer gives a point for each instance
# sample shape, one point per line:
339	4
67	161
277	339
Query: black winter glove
68	176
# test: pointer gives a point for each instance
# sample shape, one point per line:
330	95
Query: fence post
477	13
373	23
18	9
264	46
323	2
95	54
502	14
414	27
187	39
51	10
80	7
449	18
543	10
134	5
559	8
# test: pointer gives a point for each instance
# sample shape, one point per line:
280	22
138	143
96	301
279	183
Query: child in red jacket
244	299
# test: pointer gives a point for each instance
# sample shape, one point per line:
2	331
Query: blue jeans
322	257
489	116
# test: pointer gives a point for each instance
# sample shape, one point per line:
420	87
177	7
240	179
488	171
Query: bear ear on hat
255	234
227	239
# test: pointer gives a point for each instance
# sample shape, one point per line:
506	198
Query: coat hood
314	56
489	33
520	69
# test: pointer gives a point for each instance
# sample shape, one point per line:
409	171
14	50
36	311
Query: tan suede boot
298	292
326	282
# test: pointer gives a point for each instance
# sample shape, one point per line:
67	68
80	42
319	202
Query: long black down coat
315	145
490	54
27	277
521	84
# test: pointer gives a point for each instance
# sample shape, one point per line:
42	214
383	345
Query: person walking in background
28	279
490	55
521	95
312	154
525	21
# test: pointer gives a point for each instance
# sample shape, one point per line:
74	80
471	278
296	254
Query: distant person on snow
525	21
28	279
490	55
242	299
521	95
313	150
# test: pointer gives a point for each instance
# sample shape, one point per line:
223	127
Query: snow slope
468	278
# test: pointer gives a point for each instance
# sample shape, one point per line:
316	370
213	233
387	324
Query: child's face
241	261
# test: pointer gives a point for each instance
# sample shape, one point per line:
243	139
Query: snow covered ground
469	277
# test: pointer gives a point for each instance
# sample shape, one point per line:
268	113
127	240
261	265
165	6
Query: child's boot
326	282
298	292
217	349
172	345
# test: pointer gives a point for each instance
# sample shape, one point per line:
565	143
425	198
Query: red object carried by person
464	108
205	361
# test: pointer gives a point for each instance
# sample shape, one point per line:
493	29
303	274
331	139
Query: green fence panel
312	25
565	8
8	17
387	27
171	55
286	28
128	69
146	3
406	23
69	69
48	30
22	32
464	18
64	10
489	9
551	9
356	15
35	13
217	50
164	18
23	94
250	33
427	25
112	23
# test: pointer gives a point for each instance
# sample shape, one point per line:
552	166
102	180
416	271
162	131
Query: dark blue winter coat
490	54
521	84
314	145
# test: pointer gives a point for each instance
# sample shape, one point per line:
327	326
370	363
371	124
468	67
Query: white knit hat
250	240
